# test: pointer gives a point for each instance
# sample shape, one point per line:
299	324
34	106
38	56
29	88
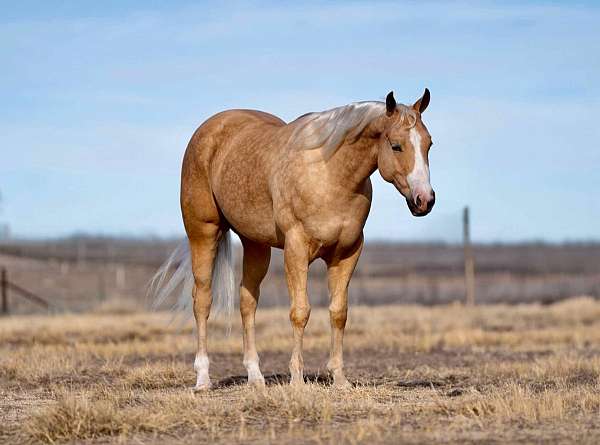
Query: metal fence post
469	262
4	291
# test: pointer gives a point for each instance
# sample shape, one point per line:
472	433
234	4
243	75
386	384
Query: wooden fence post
469	262
4	291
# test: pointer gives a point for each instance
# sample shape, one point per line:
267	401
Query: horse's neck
353	163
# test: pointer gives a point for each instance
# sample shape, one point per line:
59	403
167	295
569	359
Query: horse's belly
251	220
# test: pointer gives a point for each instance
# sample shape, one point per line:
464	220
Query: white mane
329	129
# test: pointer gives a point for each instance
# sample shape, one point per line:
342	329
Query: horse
302	186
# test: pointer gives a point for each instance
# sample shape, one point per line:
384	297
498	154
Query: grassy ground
448	373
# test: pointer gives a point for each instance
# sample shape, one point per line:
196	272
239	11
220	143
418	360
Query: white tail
163	285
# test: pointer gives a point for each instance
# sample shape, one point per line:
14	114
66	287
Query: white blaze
418	178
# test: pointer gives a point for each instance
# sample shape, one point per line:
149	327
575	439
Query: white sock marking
253	369
201	364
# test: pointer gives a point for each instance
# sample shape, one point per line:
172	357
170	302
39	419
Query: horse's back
238	120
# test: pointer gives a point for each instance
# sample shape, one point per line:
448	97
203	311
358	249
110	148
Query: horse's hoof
297	382
342	383
257	382
202	388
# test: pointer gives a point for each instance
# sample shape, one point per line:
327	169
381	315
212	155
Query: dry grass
443	374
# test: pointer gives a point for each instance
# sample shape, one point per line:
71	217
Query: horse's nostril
418	201
430	204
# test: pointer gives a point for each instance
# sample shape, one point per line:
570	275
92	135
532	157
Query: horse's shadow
274	379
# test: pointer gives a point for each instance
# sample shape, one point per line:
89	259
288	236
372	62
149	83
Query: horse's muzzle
421	204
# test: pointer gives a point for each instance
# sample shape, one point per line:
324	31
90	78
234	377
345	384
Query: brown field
495	373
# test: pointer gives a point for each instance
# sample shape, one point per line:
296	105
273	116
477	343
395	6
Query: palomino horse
303	187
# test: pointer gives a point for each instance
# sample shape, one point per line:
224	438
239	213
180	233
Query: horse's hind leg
255	265
203	249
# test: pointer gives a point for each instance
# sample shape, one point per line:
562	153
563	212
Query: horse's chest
335	218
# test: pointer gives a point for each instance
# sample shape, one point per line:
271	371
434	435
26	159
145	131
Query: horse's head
403	156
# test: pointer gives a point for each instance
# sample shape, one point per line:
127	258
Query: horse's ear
423	102
390	103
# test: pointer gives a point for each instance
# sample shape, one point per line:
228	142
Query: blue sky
99	99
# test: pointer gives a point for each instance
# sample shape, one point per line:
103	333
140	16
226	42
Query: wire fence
83	273
6	285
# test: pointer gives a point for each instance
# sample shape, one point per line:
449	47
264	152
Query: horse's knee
338	315
299	315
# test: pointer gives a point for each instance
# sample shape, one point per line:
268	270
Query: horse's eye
395	145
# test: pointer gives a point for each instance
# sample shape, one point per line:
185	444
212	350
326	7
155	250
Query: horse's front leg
339	271
296	260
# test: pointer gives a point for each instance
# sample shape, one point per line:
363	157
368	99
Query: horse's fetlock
335	364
